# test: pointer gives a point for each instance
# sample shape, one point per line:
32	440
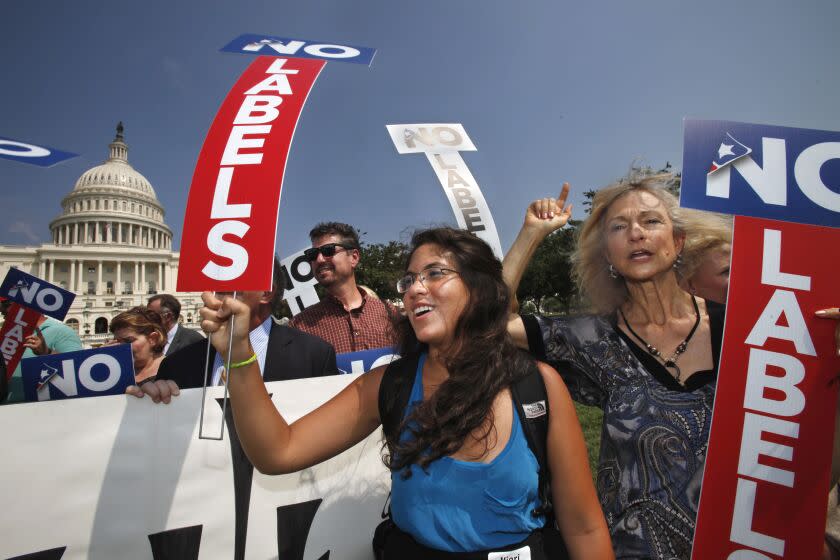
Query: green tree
380	267
548	278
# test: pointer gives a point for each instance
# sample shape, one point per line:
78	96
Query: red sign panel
20	323
231	218
765	485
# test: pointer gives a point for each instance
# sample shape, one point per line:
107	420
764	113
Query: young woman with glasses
464	480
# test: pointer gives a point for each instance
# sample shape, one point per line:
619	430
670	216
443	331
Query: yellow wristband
244	363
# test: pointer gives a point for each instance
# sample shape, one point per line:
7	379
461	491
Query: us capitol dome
110	246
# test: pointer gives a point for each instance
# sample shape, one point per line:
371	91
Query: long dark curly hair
482	359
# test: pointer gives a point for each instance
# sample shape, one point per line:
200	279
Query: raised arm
576	507
273	445
542	217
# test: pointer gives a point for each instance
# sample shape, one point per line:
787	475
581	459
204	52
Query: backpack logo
534	409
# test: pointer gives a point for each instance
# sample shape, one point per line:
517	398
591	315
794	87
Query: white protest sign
107	476
441	144
300	282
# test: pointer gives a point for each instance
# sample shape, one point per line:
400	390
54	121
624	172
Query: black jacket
183	338
291	354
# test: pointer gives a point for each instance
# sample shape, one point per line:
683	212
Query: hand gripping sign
441	144
765	482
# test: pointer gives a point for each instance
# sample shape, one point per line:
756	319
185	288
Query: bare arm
542	217
576	507
273	445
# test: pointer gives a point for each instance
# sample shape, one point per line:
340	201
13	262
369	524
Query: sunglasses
328	250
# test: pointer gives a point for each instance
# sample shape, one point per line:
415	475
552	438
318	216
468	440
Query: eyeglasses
428	277
328	250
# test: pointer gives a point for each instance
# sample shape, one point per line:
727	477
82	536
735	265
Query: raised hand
549	214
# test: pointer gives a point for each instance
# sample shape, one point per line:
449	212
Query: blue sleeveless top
462	506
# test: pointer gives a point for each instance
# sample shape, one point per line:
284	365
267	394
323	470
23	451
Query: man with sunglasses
347	317
169	309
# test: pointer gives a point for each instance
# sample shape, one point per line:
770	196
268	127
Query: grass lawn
590	421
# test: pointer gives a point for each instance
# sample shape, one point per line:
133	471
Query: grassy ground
590	421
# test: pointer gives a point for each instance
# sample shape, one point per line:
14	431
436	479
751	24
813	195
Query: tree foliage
380	267
549	274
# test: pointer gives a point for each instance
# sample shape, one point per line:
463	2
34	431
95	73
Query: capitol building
110	246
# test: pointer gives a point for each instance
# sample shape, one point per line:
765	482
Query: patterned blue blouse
655	431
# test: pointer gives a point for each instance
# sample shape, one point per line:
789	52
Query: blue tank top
462	506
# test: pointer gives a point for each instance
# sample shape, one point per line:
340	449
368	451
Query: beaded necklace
670	363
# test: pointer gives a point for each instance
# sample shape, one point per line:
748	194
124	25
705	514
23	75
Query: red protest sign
20	323
765	483
231	218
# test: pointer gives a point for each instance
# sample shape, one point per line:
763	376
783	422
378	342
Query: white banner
441	144
101	475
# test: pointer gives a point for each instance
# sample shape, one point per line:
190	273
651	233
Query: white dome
112	197
116	172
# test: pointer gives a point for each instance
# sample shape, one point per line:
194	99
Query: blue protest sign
775	172
87	373
299	48
365	360
34	293
24	152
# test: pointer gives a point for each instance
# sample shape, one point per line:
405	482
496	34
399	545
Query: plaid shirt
363	328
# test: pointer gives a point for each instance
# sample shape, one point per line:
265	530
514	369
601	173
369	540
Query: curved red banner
231	218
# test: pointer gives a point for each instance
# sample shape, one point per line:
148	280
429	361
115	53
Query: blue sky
548	91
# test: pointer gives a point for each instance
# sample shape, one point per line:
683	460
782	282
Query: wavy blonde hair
708	231
590	267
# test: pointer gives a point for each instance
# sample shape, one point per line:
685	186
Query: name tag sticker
523	553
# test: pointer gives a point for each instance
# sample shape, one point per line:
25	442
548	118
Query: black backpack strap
394	392
531	402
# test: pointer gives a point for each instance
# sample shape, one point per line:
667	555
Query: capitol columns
71	285
52	270
118	287
99	287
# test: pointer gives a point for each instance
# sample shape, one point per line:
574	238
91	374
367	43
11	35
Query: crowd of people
470	472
